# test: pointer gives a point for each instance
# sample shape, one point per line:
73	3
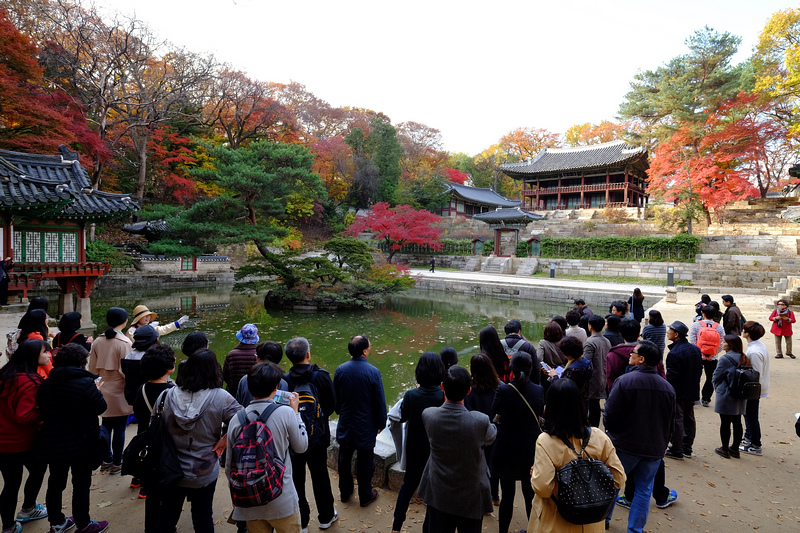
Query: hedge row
681	248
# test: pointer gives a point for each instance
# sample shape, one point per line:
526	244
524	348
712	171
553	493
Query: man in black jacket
515	342
732	319
684	369
638	418
320	387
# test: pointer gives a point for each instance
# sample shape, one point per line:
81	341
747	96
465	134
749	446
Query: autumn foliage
399	226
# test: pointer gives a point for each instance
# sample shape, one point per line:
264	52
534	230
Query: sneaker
303	530
115	469
705	403
752	450
688	453
674	454
135	483
326	525
68	524
93	527
16	529
672	498
105	467
622	501
745	442
34	513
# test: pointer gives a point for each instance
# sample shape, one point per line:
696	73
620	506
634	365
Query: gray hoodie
194	419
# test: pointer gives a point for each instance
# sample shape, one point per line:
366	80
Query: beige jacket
552	454
169	327
104	360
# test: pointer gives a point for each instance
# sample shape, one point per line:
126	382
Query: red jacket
19	414
785	330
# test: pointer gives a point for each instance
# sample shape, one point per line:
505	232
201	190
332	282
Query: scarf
782	313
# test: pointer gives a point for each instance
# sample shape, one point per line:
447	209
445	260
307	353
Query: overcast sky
473	70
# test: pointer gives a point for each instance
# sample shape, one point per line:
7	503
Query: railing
580	206
62	270
597	187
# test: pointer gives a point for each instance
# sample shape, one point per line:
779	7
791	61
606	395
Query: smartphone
282	397
545	367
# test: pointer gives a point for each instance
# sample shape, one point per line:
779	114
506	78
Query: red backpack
708	340
256	473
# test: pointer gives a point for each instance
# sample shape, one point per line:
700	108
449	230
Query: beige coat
104	360
552	454
169	327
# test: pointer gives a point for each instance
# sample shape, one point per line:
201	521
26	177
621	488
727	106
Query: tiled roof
57	184
508	215
552	160
482	195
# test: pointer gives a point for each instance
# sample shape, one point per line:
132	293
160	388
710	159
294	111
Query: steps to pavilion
496	265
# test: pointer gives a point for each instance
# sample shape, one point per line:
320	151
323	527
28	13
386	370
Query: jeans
11	468
81	485
508	488
644	472
684	427
660	489
116	427
594	412
365	467
202	500
437	521
708	386
751	423
726	421
317	460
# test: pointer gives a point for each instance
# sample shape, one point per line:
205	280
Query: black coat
517	431
69	403
300	374
684	369
415	401
360	402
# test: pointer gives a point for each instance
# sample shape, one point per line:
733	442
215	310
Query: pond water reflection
400	330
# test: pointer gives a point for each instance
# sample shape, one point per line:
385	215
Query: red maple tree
455	176
398	226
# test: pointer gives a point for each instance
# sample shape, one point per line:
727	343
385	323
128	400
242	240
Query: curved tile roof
552	160
508	215
57	184
481	195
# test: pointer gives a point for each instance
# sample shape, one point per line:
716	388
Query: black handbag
585	488
102	448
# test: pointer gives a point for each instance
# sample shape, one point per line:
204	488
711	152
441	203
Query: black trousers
437	521
684	427
202	499
594	412
508	488
317	460
81	485
726	421
365	467
708	386
11	465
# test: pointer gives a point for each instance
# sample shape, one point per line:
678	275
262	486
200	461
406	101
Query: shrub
616	215
681	248
105	253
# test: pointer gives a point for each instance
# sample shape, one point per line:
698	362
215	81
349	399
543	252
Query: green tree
686	90
351	252
377	158
264	186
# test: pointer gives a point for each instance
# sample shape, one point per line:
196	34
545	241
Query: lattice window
187	263
69	247
33	246
16	244
51	254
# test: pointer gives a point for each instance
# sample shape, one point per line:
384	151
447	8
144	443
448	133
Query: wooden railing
62	270
598	187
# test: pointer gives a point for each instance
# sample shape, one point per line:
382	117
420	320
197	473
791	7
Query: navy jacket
639	413
684	369
360	403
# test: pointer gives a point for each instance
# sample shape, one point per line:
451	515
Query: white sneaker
35	513
326	525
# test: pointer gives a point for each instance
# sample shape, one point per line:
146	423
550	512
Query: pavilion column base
65	304
84	307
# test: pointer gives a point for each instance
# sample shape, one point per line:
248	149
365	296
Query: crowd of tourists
466	436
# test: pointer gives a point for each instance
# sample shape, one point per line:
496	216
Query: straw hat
140	312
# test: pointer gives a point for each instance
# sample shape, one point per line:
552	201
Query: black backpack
746	383
309	408
585	488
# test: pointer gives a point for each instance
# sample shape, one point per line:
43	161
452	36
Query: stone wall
210	264
780	245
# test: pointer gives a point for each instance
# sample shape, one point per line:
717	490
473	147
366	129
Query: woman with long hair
655	331
33	326
68	327
549	349
491	346
565	420
730	409
480	398
105	360
19	427
636	304
516	410
429	373
194	413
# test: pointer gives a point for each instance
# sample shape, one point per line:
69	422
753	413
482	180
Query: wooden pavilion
611	174
507	224
46	203
468	201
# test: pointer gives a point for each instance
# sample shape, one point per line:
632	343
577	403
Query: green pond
400	330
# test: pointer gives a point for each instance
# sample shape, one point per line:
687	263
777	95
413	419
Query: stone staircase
792	291
472	264
497	265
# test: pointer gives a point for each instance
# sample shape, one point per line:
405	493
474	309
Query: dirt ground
715	494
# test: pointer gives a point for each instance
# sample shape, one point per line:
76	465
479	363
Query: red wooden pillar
608	181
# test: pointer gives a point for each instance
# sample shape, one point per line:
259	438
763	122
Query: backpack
310	409
255	476
746	384
55	349
516	348
585	488
708	340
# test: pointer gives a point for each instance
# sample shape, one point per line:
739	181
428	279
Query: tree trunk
262	248
140	141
